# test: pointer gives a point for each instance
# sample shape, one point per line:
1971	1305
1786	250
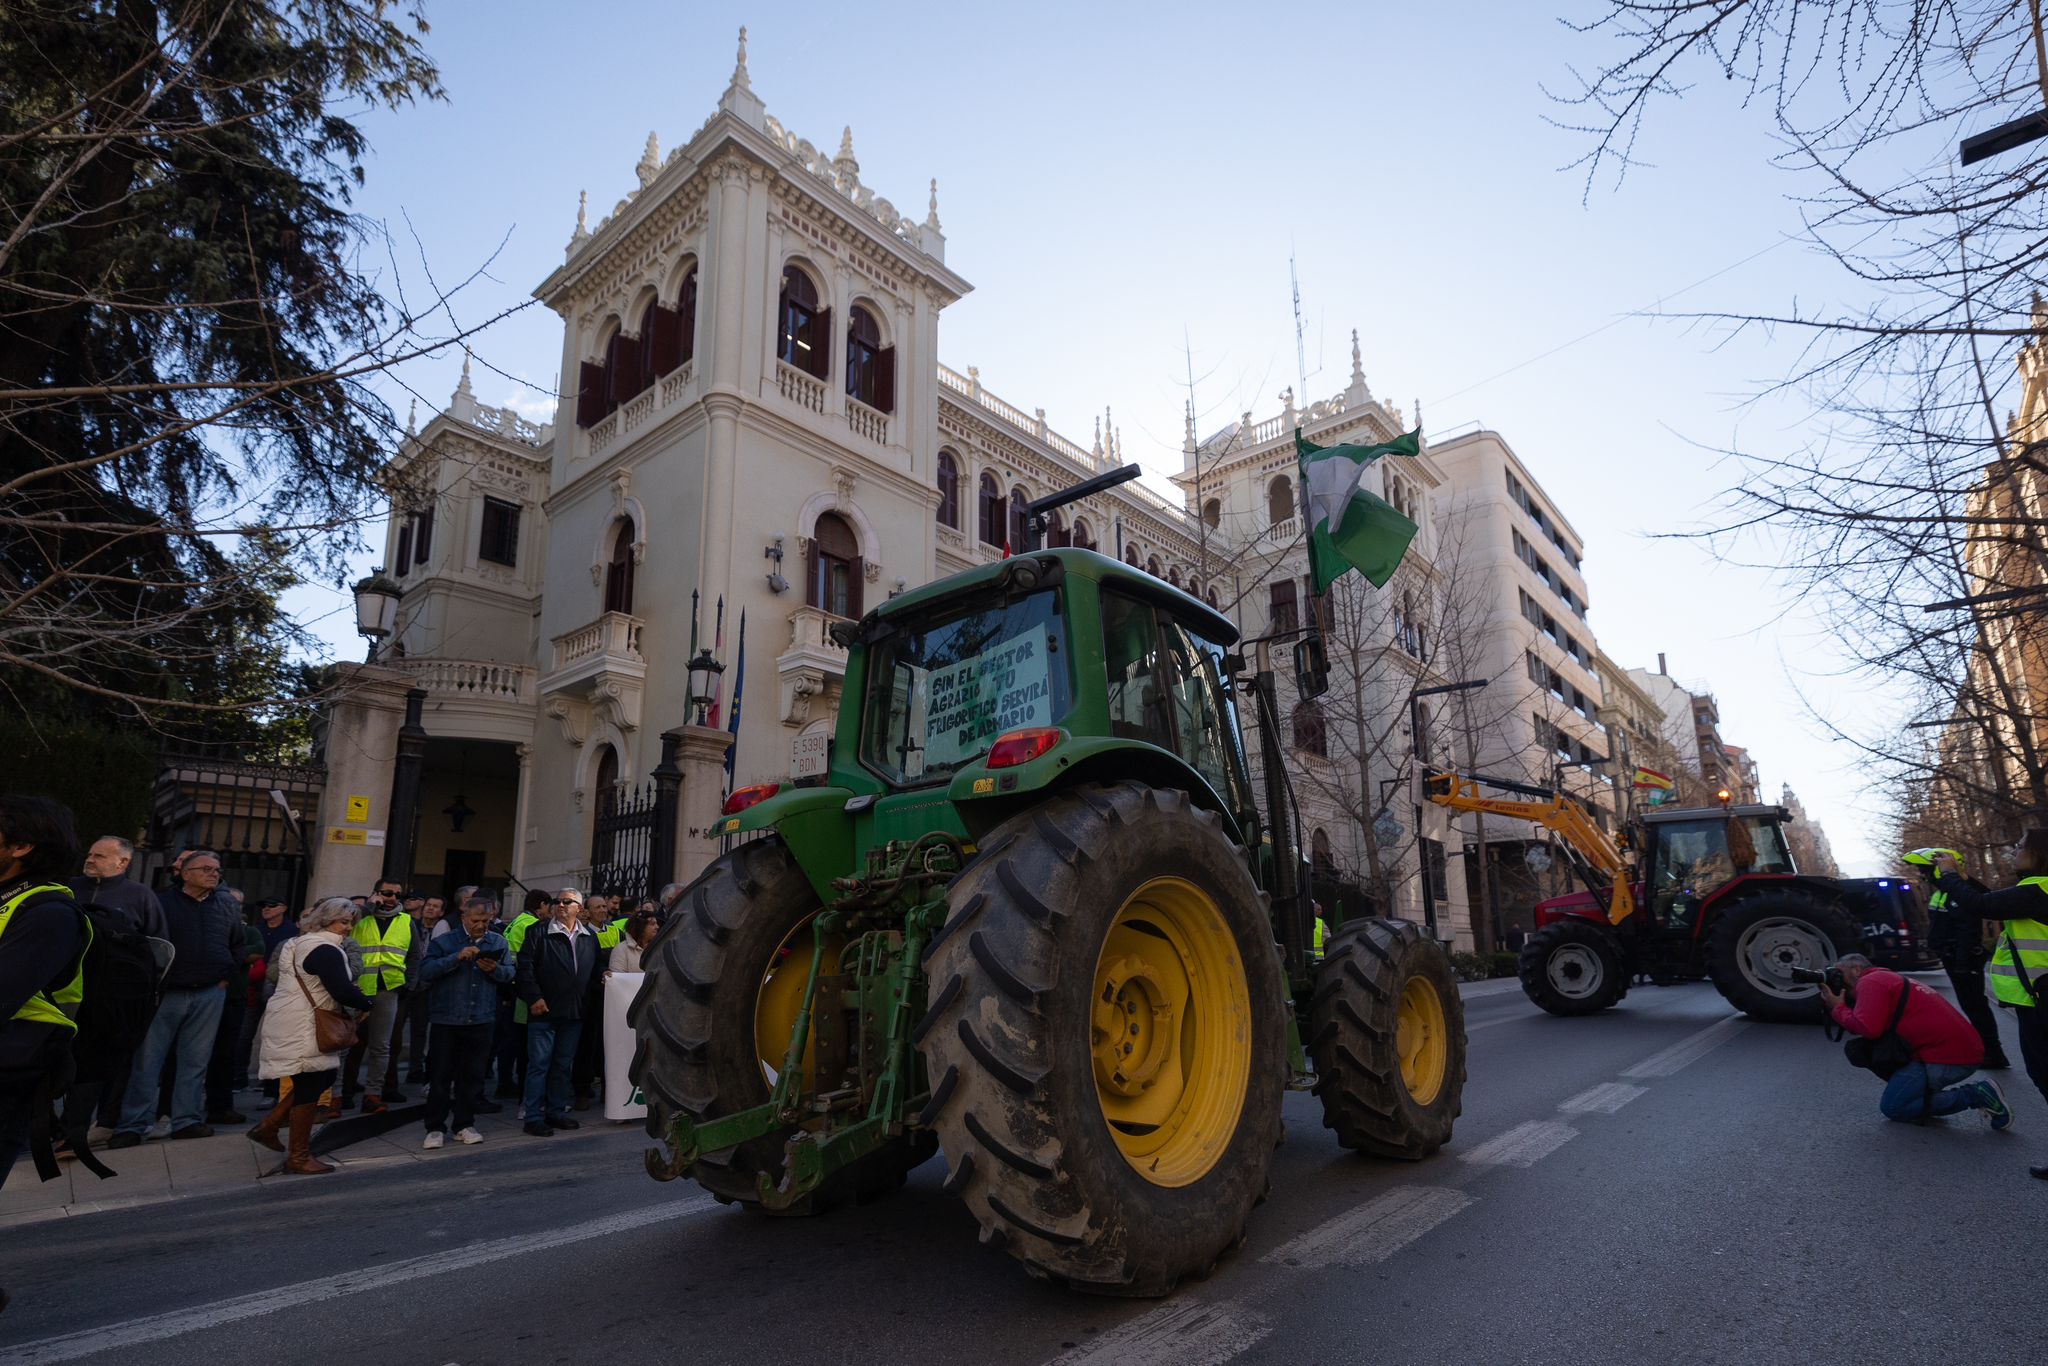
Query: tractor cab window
1696	858
1166	686
941	689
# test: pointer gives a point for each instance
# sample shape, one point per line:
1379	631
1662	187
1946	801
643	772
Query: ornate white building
757	415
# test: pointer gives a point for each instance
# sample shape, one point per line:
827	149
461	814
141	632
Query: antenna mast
1300	349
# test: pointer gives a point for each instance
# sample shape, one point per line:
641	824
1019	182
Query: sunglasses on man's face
567	901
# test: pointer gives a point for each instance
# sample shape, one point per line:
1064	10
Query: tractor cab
1690	856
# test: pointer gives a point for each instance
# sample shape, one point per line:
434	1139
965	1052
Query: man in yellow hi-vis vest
42	948
389	948
2019	965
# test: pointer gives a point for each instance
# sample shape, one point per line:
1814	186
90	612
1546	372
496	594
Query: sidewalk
167	1169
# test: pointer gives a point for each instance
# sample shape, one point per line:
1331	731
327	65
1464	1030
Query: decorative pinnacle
845	162
1098	436
412	415
582	232
1189	438
650	160
463	388
1357	366
740	79
931	218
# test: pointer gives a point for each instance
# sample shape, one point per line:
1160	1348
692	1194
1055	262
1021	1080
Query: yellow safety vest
1319	936
383	952
47	1007
2030	937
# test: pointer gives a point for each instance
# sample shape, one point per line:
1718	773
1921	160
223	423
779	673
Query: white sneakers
468	1136
435	1138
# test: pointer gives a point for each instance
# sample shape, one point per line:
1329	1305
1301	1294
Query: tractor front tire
706	1011
1573	967
1106	1039
1387	1032
1752	942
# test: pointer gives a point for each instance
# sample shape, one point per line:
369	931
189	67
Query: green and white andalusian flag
1349	527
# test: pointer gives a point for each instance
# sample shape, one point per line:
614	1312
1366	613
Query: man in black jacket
557	961
106	884
206	932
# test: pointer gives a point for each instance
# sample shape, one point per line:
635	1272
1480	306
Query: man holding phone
460	974
556	965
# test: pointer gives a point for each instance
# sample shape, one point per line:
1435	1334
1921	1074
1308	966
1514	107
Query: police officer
1958	941
2019	966
42	951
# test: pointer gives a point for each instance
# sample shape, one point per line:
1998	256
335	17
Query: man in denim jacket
461	973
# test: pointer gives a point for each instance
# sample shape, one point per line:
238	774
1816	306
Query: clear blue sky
1113	179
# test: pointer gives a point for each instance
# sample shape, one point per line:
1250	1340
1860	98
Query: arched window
1173	575
607	773
618	572
1084	539
835	567
992	510
1211	599
621	369
1309	733
1018	498
1212	513
1320	857
1279	499
870	366
803	335
686	315
1152	566
1056	531
949	490
1131	556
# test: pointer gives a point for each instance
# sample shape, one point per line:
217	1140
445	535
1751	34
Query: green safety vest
2030	937
384	952
47	1007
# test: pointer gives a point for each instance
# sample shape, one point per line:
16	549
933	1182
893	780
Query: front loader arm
1555	812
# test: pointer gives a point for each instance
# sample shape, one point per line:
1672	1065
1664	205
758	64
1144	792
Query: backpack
122	978
1888	1052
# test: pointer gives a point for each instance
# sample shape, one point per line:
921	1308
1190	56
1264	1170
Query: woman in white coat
312	974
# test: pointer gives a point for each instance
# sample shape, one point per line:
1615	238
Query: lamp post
704	672
377	610
1415	743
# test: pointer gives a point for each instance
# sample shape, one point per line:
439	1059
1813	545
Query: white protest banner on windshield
972	702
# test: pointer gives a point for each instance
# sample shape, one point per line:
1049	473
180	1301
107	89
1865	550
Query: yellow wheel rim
1422	1036
1171	1032
781	997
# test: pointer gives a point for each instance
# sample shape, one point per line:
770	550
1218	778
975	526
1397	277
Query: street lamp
704	672
1415	739
377	610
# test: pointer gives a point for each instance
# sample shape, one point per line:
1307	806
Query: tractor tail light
745	797
1021	747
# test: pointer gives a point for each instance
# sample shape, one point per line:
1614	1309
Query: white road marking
1374	1231
1522	1146
1688	1050
1603	1099
1183	1333
383	1276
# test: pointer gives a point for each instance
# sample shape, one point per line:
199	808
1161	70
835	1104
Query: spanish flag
1650	777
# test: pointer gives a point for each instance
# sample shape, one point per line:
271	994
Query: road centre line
383	1276
1603	1099
1179	1333
1373	1231
1522	1146
1687	1050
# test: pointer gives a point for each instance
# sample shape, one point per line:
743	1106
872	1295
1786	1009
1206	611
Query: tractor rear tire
1573	967
1752	942
1387	1032
697	1050
1106	1039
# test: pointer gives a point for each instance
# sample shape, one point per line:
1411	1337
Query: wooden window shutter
625	369
404	549
856	575
885	379
819	357
668	340
686	313
814	582
590	395
423	539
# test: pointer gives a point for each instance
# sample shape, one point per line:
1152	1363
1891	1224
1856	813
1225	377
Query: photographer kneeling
1923	1046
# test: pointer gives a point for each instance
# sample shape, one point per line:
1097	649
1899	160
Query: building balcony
804	390
476	698
613	637
871	423
810	670
598	670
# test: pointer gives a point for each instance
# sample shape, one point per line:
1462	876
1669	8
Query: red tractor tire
1574	967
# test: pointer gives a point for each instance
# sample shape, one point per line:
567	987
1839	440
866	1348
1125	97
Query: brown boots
300	1160
265	1133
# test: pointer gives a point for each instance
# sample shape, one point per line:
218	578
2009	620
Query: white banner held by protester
621	1098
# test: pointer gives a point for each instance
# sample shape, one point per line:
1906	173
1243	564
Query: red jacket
1935	1030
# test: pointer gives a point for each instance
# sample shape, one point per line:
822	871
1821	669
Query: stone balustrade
612	636
810	629
806	391
478	680
871	423
602	434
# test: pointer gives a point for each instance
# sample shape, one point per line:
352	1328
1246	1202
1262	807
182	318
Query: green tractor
1032	916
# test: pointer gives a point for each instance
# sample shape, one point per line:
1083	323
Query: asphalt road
1663	1182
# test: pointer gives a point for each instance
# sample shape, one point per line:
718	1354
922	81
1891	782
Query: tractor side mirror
1311	667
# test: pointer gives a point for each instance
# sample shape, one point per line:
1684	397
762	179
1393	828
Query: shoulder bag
333	1032
1886	1053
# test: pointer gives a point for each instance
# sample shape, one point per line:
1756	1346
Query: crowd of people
329	1010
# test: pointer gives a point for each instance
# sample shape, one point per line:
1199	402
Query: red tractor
1704	892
